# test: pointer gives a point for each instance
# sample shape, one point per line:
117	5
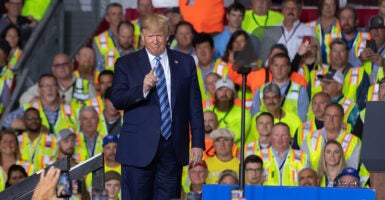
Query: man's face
32	120
280	138
109	151
291	12
89	121
223	146
234	18
329	8
319	104
154	39
260	7
378	35
254	172
114	16
62	67
12	37
264	125
14	7
67	146
205	53
48	89
86	58
198	175
280	69
272	101
339	55
333	119
113	188
381	92
210	121
331	87
348	181
125	37
145	7
224	94
348	23
184	36
307	177
210	83
105	81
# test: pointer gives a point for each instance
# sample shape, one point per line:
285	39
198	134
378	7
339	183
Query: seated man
228	176
197	177
348	178
265	122
223	159
308	177
253	170
112	184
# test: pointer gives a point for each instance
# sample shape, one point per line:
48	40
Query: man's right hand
149	81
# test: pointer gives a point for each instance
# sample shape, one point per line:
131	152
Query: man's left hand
196	155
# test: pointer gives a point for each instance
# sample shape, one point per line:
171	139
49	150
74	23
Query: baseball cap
349	171
376	22
221	133
201	163
224	82
109	138
64	133
333	75
111	175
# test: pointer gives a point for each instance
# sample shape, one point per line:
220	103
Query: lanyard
284	35
255	20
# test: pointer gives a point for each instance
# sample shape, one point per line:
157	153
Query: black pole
244	70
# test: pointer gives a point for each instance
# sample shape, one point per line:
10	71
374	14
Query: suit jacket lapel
173	63
144	62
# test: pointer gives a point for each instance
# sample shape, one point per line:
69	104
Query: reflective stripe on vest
373	92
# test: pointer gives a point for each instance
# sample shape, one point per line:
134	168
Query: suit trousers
160	180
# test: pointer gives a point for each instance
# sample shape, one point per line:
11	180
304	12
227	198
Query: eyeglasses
348	184
61	64
255	170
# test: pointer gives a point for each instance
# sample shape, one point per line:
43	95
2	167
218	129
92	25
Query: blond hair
155	21
322	165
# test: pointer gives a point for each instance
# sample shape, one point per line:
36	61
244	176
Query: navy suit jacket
140	133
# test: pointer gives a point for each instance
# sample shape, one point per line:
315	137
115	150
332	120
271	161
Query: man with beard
355	40
110	142
36	145
125	46
86	65
54	115
229	114
66	145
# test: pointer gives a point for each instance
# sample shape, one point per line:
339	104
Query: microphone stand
244	70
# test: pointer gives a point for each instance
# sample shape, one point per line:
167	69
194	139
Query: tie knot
157	58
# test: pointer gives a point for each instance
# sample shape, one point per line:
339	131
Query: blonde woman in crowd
331	163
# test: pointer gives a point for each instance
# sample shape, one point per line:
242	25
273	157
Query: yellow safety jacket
15	57
96	75
95	102
36	8
315	143
295	161
29	168
368	69
65	119
110	58
336	29
358	44
3	179
136	24
80	90
315	82
291	101
364	175
44	149
352	81
220	67
308	127
348	105
104	42
373	92
6	77
252	21
81	151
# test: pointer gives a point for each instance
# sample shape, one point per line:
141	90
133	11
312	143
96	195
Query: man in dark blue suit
158	90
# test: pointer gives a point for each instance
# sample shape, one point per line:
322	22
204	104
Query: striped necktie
165	110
